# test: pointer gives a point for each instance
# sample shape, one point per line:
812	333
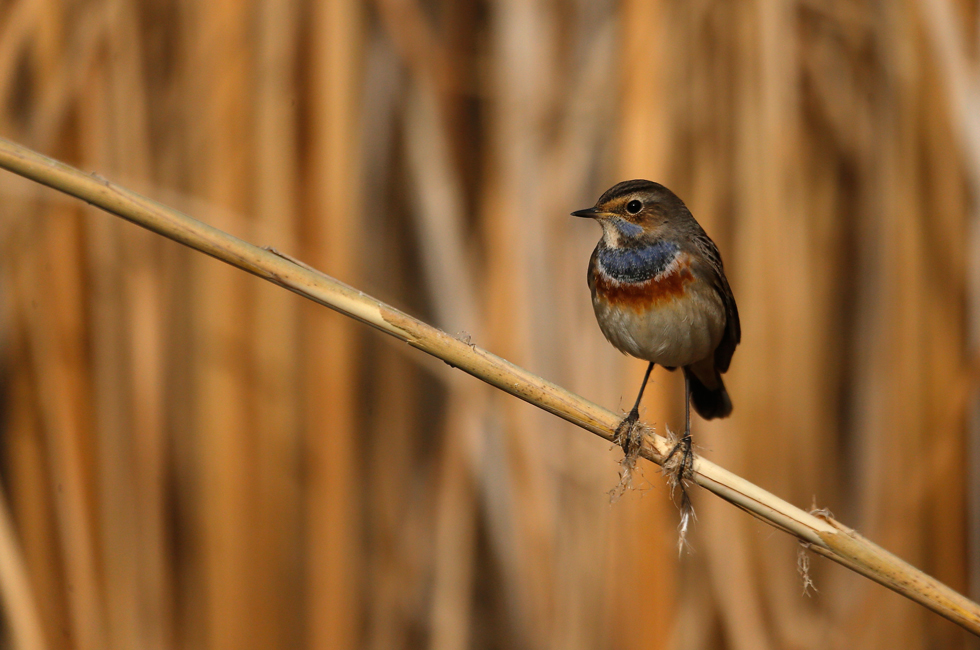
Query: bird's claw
681	472
625	435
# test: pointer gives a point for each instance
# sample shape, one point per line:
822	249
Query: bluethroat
660	294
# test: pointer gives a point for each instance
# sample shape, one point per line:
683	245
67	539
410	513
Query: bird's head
633	210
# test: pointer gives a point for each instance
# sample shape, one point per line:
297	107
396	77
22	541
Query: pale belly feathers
674	332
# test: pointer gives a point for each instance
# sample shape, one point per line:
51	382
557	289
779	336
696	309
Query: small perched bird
660	294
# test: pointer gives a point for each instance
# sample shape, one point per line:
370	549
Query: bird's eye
634	206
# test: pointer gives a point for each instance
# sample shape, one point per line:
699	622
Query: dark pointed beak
589	213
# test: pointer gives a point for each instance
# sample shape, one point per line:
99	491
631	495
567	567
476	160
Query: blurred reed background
193	458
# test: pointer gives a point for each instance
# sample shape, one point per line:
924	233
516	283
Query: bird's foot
626	435
678	465
680	471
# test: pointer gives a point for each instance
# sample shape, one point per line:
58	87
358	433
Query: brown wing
716	271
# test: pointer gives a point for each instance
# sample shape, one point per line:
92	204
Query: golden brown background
194	458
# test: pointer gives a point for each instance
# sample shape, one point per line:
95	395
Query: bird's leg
624	432
686	468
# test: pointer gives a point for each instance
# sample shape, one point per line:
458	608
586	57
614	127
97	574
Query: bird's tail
709	403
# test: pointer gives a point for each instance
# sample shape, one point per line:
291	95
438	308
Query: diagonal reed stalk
821	534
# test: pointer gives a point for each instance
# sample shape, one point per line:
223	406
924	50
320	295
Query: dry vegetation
193	458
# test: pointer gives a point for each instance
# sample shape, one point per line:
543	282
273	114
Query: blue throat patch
637	263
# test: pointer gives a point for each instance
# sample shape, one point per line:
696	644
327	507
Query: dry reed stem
16	593
960	78
438	216
331	359
823	534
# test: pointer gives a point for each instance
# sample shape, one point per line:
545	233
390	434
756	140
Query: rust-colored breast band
640	296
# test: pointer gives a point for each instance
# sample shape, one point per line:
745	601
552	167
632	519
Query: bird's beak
589	213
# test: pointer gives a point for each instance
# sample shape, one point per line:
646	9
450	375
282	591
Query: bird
660	294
